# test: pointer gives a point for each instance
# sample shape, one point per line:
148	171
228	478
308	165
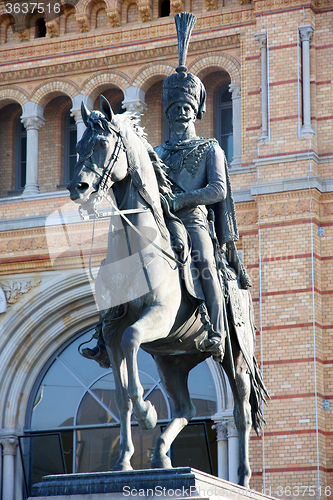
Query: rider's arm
216	188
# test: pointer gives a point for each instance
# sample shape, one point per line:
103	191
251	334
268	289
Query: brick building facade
274	56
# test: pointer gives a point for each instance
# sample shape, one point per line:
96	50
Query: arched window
165	8
40	28
21	156
70	146
76	399
224	124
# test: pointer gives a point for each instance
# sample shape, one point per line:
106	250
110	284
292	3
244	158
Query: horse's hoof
149	420
122	466
161	462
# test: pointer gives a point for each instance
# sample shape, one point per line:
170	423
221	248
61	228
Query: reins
103	192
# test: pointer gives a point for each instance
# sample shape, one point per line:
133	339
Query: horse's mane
133	121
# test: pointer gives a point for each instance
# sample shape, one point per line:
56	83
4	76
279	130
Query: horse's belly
183	340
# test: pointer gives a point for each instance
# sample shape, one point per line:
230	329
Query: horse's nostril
82	187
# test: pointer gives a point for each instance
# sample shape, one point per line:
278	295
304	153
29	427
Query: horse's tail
258	396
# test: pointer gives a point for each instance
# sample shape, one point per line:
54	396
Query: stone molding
15	288
155	32
111	60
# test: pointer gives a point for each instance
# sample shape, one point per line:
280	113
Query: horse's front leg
124	406
152	325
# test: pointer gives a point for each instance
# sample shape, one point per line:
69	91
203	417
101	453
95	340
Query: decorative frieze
274	5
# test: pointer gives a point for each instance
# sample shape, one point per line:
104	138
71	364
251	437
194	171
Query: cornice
110	60
267	6
116	38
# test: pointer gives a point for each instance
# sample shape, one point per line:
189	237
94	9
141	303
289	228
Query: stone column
76	112
134	100
32	119
222	449
305	33
235	89
9	446
262	39
233	451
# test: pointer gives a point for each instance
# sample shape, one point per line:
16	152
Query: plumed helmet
184	86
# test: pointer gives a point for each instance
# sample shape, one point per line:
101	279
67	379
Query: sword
219	265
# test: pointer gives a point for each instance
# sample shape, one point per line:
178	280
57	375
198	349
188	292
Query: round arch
34	329
46	92
93	86
212	62
151	74
12	95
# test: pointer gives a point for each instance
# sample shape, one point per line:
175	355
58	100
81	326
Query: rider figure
197	170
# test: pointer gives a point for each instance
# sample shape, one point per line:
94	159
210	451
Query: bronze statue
145	288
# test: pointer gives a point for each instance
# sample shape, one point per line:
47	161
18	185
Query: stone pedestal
178	483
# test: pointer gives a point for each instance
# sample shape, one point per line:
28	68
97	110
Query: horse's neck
122	193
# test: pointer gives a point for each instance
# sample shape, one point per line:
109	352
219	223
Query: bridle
104	187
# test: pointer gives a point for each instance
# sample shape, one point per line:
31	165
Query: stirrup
210	344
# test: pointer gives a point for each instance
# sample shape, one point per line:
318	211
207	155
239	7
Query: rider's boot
97	353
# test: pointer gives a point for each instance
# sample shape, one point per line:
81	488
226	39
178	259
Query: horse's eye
103	143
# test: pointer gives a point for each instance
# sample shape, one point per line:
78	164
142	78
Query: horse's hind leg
124	406
241	388
174	371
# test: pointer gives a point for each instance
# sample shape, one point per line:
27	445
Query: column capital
231	428
262	39
32	122
32	116
134	100
235	90
9	444
221	430
306	32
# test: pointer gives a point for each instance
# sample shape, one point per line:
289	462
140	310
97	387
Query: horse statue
141	291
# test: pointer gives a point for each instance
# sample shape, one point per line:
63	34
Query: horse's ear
106	108
84	113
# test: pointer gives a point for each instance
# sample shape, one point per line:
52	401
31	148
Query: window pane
97	450
86	369
191	449
72	142
57	399
202	390
226	121
91	412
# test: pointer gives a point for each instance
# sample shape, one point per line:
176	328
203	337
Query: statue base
178	483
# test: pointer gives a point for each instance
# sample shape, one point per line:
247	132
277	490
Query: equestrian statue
172	282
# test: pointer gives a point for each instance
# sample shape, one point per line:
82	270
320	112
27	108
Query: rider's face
180	116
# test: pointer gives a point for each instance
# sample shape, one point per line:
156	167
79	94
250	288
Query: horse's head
102	160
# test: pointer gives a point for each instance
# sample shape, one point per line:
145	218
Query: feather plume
184	25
